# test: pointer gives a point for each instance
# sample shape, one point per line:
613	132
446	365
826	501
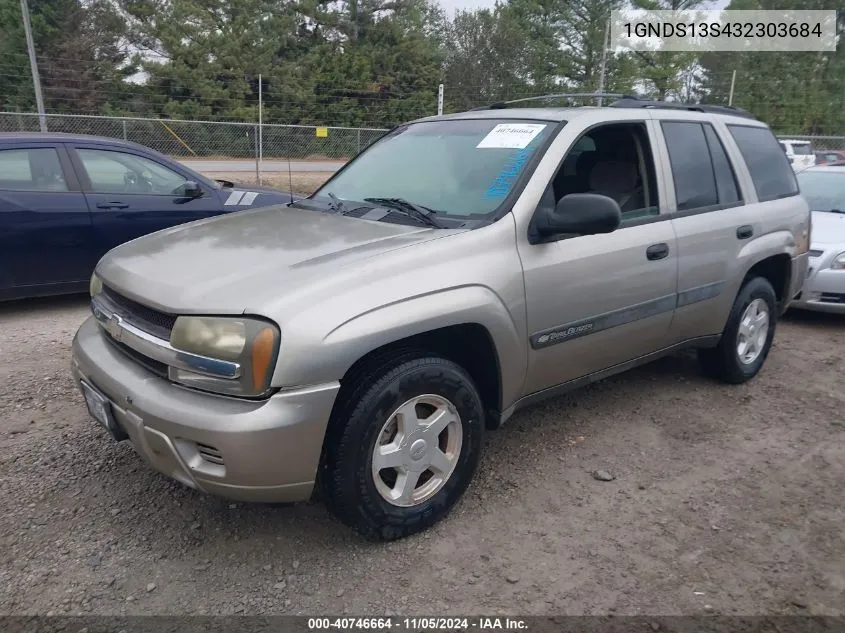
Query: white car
800	153
823	187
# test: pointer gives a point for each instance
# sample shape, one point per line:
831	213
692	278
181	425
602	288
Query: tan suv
361	341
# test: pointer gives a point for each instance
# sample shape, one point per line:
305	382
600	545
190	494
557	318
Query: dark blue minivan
65	200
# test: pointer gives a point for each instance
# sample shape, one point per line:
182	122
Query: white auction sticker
511	135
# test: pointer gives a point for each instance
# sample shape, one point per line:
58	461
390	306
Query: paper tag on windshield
511	135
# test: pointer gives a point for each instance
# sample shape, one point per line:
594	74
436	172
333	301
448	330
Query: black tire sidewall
755	288
356	493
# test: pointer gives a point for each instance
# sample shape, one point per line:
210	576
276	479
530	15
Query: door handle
744	232
657	251
112	205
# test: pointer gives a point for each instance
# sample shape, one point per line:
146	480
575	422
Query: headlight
95	286
838	262
250	344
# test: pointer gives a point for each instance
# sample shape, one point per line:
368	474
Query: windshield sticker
510	136
502	183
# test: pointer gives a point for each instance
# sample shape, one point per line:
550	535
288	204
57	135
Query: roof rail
500	105
636	102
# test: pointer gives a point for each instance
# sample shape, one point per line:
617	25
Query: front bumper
824	288
265	451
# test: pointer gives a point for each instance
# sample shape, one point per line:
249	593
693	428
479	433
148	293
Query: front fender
336	351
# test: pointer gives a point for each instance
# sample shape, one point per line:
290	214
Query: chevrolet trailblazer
360	341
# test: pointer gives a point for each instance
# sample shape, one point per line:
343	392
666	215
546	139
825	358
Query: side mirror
578	214
189	189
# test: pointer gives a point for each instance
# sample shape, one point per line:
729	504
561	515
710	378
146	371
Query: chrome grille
151	321
150	364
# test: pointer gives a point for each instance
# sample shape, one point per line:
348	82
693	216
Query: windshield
823	190
455	167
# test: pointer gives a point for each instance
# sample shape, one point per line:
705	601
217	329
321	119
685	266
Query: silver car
824	289
362	341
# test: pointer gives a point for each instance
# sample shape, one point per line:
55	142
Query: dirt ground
725	500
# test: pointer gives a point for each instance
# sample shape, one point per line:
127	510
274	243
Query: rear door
46	237
131	194
710	217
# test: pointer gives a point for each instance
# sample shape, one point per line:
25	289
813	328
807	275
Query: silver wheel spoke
388	456
440	462
406	483
438	421
406	418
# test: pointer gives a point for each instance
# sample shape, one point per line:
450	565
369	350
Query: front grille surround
151	321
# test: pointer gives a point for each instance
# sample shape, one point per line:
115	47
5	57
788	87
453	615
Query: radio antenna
290	180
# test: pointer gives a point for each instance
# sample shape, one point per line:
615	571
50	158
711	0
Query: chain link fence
208	139
232	140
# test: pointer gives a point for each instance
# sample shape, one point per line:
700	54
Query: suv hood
248	259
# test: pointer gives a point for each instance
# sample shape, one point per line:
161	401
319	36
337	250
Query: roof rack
636	102
500	105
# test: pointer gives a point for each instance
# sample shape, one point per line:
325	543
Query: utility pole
731	96
36	80
605	46
260	128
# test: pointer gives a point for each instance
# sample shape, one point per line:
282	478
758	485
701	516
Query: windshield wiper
416	211
830	210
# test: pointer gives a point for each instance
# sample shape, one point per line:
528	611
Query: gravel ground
721	499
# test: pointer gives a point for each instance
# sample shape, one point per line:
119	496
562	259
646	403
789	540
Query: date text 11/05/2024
418	624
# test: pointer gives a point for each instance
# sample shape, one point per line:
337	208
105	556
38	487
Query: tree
795	92
81	54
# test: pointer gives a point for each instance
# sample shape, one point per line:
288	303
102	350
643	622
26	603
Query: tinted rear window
770	169
695	184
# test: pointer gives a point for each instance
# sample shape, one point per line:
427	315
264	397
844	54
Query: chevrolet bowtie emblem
114	327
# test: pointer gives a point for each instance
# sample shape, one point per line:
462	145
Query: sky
452	5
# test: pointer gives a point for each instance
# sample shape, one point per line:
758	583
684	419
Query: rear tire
747	337
395	416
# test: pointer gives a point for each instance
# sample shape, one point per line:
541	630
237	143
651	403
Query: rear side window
769	168
700	167
34	169
725	178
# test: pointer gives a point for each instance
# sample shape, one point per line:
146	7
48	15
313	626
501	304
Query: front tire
747	337
401	452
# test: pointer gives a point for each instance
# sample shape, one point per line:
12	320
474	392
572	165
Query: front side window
613	160
35	169
119	172
458	167
769	168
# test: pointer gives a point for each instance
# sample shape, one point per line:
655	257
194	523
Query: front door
131	195
596	301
